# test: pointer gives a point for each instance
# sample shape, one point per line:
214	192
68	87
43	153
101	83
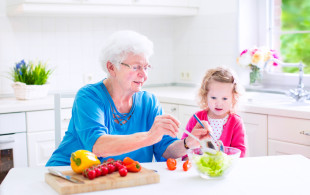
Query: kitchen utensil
110	181
218	142
202	143
67	177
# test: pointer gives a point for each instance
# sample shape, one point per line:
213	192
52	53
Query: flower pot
27	92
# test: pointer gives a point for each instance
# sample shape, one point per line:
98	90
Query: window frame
262	22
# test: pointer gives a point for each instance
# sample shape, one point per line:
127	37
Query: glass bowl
214	166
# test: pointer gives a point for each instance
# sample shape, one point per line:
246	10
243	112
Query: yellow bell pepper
82	159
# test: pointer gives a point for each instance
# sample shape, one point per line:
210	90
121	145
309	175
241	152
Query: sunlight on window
292	32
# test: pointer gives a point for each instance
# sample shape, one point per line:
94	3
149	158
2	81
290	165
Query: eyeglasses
136	67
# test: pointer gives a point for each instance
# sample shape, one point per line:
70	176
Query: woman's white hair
120	43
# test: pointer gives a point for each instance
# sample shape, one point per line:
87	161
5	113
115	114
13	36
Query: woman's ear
111	68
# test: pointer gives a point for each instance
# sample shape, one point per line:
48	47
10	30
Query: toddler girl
218	95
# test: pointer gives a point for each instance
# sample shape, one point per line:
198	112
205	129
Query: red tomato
122	172
117	165
98	171
187	165
171	164
104	170
111	168
91	174
110	160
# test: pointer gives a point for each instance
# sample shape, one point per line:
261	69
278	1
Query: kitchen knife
67	177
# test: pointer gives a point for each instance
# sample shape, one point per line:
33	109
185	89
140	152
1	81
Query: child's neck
213	116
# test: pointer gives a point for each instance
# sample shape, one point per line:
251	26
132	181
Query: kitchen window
261	24
288	32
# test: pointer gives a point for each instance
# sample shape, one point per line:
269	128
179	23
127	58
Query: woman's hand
199	132
163	125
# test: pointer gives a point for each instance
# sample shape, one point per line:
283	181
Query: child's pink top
233	131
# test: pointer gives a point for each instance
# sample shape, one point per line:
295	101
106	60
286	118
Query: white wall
71	44
206	40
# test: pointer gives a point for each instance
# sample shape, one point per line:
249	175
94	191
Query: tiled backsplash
72	45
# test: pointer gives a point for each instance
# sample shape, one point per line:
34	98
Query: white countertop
287	174
255	102
11	104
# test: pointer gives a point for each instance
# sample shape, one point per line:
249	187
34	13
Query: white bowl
213	166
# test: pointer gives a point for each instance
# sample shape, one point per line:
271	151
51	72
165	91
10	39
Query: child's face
220	99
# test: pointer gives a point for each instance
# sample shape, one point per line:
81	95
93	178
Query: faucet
299	93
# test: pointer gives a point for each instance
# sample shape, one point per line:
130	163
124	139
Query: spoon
219	142
202	143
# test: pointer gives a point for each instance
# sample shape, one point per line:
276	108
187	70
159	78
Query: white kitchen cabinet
185	113
40	120
172	109
288	136
103	7
180	112
256	133
41	145
284	148
41	134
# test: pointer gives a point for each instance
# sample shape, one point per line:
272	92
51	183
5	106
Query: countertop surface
286	174
253	102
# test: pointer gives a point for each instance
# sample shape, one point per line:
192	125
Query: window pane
295	15
295	48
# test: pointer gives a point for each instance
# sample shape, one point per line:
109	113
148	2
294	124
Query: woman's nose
142	72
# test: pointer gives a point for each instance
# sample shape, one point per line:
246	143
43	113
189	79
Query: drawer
40	120
45	120
289	129
12	122
285	148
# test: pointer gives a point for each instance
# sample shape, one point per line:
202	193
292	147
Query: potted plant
30	80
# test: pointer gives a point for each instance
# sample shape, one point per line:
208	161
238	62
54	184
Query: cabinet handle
173	109
305	133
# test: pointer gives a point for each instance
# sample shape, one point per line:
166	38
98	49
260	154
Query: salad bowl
214	166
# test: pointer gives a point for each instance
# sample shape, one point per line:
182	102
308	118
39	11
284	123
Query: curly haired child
218	95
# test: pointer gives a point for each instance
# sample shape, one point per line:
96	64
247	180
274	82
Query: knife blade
67	177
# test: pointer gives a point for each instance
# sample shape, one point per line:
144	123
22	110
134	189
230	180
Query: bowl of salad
214	165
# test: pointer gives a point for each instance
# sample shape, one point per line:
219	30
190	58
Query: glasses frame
140	67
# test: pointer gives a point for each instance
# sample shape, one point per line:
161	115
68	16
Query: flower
257	57
31	73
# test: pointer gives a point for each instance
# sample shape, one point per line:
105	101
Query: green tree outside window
295	40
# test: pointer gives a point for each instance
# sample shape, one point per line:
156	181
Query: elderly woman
114	118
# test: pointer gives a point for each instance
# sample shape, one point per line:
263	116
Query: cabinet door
256	133
172	109
284	148
185	113
41	145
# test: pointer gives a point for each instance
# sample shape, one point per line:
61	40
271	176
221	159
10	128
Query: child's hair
223	75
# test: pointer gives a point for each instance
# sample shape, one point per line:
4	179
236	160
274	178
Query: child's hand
206	130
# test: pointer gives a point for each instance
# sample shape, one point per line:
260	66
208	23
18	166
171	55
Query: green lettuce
213	165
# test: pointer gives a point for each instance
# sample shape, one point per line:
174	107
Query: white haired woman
114	118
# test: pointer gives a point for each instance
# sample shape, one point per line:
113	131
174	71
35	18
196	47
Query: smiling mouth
218	109
139	83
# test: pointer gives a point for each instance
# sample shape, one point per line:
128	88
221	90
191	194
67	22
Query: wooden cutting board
110	181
